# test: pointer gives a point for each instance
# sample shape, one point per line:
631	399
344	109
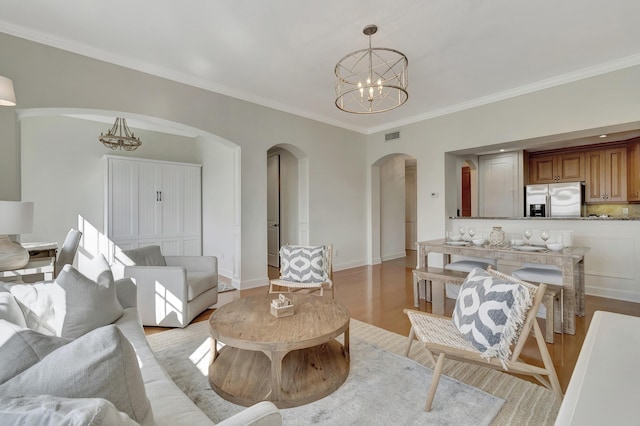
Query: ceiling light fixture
371	80
119	136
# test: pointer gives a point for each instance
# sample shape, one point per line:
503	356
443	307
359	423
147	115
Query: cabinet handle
157	195
160	192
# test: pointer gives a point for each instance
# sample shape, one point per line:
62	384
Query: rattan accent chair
286	285
440	337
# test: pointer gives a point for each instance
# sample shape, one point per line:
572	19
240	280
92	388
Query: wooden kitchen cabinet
566	167
606	175
633	171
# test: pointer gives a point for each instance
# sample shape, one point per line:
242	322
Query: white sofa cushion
53	410
84	303
20	348
37	305
73	304
99	364
10	309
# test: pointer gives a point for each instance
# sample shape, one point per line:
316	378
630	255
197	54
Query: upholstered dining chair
551	275
68	251
494	315
306	269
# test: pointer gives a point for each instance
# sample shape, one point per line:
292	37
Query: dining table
570	260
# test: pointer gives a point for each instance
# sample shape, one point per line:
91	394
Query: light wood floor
378	294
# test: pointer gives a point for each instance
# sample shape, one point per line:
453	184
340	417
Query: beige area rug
525	403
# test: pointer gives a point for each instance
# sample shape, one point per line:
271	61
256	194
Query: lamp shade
16	217
7	94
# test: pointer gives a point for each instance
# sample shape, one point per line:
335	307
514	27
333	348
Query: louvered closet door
122	201
149	200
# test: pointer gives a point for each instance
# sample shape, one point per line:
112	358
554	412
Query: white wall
63	170
337	162
596	105
46	77
220	209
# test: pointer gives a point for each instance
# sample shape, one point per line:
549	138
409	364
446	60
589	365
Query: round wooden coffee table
290	361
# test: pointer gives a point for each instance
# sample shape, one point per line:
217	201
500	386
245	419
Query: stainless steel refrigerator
555	200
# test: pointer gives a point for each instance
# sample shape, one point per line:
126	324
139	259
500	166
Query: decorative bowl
479	241
555	246
455	237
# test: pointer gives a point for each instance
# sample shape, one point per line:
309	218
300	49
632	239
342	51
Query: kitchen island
570	260
610	265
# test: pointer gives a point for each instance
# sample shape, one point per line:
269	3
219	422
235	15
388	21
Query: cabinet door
542	169
633	172
149	208
570	167
171	184
122	200
616	182
595	176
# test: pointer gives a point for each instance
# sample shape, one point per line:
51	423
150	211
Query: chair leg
412	334
437	372
547	361
549	306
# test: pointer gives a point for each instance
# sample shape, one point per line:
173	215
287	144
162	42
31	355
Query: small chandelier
119	136
371	80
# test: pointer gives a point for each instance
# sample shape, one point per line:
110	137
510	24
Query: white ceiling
282	53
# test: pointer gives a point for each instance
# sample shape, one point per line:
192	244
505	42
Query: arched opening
393	207
54	139
287	201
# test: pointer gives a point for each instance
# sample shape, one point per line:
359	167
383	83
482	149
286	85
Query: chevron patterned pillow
489	313
303	264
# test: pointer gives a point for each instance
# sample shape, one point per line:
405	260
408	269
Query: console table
570	260
42	256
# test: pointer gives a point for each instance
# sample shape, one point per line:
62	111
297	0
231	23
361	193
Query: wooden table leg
416	293
276	375
346	341
569	284
437	297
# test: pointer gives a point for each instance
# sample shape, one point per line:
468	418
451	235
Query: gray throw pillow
303	264
20	348
142	256
490	311
99	364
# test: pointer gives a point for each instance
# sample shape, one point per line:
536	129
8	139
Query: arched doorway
287	200
393	207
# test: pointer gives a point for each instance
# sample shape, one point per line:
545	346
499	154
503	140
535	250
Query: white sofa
172	290
65	369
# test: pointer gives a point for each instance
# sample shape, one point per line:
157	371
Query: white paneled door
498	181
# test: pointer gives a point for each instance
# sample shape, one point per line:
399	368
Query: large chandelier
371	80
119	136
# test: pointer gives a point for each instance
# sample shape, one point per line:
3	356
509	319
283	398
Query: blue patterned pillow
303	264
489	312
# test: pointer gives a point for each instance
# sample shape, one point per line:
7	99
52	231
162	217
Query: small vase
496	237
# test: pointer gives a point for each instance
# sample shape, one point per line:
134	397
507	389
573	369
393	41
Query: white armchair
171	290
